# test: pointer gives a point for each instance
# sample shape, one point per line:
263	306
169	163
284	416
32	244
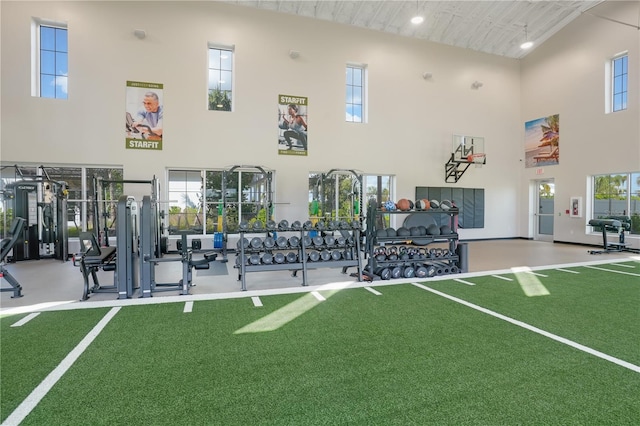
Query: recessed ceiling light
526	45
417	20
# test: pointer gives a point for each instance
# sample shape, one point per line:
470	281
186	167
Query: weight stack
463	255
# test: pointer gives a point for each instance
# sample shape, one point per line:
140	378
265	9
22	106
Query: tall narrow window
220	78
355	91
619	101
53	61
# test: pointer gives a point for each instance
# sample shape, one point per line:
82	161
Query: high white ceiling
495	27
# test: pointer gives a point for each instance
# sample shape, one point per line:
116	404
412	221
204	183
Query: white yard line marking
25	320
536	273
463	281
612	270
23	410
188	307
567	270
622	265
374	291
256	301
529	327
502	278
318	296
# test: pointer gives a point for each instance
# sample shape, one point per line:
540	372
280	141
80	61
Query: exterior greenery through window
355	85
617	195
220	79
196	200
80	211
620	83
335	196
53	61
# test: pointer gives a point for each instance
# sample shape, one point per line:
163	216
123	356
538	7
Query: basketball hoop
479	158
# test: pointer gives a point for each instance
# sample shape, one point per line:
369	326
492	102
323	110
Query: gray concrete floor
50	282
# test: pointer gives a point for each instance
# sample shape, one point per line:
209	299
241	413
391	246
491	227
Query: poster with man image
143	118
292	125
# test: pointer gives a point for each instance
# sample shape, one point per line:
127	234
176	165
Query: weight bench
92	258
6	246
617	224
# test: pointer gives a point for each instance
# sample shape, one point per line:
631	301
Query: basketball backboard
464	146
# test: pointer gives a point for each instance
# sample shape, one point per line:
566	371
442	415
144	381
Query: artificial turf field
404	356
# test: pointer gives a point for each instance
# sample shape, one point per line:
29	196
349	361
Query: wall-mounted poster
292	125
542	141
143	118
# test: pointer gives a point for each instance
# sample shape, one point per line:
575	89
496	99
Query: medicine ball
445	230
414	231
391	232
423	204
446	205
433	229
411	205
403	232
381	233
435	204
423	230
403	204
389	206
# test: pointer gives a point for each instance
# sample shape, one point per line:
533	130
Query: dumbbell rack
448	258
304	248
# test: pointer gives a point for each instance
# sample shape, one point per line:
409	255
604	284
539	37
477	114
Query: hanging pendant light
527	44
417	19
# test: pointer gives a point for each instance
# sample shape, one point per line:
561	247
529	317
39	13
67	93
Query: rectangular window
195	201
355	93
220	78
619	83
80	212
617	195
51	60
185	201
337	195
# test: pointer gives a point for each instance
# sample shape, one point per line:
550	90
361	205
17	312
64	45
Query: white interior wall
411	120
566	76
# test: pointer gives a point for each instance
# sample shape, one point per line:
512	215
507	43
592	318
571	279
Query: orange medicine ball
403	205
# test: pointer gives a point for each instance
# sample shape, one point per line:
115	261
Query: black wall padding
470	202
